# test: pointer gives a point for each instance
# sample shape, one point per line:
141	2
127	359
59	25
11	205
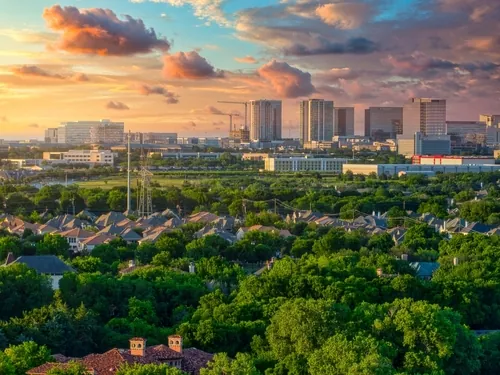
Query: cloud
80	77
34	71
334	74
192	124
209	10
99	31
287	81
322	46
218	123
189	65
34	126
147	90
28	36
117	105
208	110
343	15
246	60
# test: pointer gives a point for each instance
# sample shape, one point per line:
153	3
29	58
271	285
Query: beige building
265	120
304	164
424	115
452	160
491	121
397	169
85	132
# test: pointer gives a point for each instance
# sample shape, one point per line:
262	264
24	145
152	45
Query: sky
163	65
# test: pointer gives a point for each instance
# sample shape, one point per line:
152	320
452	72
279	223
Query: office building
399	169
427	116
91	157
424	145
304	164
154	138
51	135
493	136
86	132
452	160
316	120
107	132
383	123
466	133
265	120
491	121
344	121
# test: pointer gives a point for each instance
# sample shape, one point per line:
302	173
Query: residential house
209	231
425	270
98	239
189	360
110	218
49	265
75	236
261	228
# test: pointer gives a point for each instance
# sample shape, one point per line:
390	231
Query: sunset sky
162	65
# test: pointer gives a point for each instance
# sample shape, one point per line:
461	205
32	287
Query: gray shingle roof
45	264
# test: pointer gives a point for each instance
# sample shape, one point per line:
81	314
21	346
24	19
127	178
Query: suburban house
261	228
90	243
49	265
75	236
189	360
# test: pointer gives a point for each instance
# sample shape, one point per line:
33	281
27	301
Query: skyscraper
316	120
383	122
427	116
265	120
344	121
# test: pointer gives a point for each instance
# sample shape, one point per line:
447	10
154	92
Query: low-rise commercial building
396	169
452	160
304	164
93	157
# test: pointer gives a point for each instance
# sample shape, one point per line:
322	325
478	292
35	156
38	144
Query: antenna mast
145	195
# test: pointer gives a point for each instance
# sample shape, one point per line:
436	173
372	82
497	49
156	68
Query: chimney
192	268
131	263
175	343
455	261
380	272
137	346
404	257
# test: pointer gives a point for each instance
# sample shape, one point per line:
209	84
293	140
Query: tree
206	247
8	245
53	245
145	252
490	356
117	200
73	368
22	289
27	356
243	364
138	369
342	355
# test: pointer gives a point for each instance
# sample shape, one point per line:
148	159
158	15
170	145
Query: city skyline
176	59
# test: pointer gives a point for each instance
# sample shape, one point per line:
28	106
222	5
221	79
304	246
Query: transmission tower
145	207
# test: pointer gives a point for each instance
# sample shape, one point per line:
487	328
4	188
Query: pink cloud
189	65
287	81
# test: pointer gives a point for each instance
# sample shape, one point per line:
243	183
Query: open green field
111	182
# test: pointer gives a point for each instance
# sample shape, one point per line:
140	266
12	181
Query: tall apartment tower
265	120
383	122
344	121
316	120
424	115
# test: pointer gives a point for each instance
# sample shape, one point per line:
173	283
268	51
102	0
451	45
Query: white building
51	135
344	121
424	115
396	169
86	132
91	157
316	120
304	164
265	120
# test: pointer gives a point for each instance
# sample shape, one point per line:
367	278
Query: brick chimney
175	343
138	346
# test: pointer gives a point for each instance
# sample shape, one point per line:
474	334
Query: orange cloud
189	65
246	60
100	32
171	98
117	105
287	81
34	71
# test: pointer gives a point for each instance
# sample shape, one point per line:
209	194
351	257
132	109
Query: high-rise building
154	138
265	120
466	133
316	120
491	121
85	132
383	122
427	116
51	135
344	121
107	132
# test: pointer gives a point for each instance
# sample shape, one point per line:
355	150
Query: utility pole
129	198
275	207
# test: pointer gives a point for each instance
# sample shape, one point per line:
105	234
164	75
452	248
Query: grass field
111	182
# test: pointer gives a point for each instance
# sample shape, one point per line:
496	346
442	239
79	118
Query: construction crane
246	109
231	115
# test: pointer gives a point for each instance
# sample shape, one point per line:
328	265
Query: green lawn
111	182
